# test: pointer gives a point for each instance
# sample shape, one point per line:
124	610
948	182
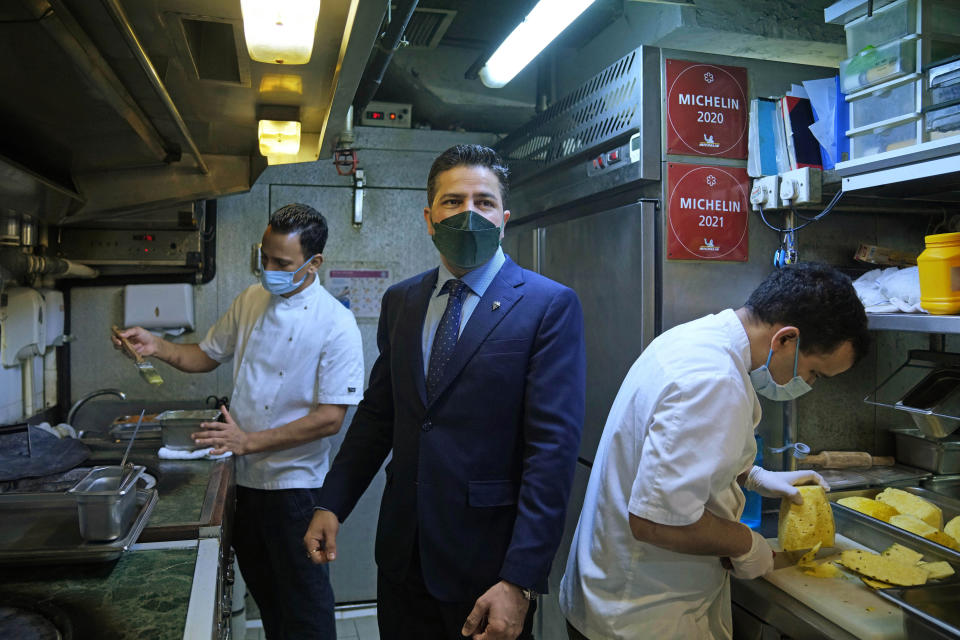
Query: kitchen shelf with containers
901	83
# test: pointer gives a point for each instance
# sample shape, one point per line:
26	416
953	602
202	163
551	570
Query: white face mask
281	282
766	386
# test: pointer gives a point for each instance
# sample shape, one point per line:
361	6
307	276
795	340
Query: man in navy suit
479	393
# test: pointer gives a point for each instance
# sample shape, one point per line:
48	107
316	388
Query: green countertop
144	594
181	487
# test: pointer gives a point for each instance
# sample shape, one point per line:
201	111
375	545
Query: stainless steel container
930	610
934	403
176	426
939	456
944	485
106	502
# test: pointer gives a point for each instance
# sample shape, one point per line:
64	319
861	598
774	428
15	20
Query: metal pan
878	535
176	426
931	610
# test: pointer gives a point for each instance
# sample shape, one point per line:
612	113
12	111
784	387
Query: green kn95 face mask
467	239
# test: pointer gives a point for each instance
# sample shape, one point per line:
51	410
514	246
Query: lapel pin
496	305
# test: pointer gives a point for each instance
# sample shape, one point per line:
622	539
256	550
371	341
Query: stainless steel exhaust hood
112	108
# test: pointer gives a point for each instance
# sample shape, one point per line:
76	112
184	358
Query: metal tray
939	456
945	485
931	610
44	528
878	535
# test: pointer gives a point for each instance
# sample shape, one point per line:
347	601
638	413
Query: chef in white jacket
659	531
297	364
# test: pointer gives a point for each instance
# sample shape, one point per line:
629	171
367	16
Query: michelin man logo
711	180
708	77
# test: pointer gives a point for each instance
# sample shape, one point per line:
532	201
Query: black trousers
293	594
407	611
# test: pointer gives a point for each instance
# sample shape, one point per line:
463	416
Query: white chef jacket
289	355
679	433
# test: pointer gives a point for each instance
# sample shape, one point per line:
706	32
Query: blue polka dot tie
448	331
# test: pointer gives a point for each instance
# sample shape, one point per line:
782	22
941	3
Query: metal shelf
920	170
919	322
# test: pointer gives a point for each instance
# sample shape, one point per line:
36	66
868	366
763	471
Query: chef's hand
320	540
222	436
498	614
781	484
756	562
142	341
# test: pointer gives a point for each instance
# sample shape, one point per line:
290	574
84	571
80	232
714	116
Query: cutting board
843	600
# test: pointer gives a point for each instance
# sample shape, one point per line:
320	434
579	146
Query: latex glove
756	562
781	484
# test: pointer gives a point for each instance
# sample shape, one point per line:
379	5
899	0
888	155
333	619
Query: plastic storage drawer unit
887	23
883	103
943	121
878	64
872	141
944	82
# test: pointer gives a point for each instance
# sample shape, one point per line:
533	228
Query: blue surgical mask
281	282
766	386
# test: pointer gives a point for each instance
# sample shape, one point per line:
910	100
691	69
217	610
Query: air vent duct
605	108
427	27
213	49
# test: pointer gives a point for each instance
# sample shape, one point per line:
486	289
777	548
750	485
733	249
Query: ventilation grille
212	49
427	27
603	108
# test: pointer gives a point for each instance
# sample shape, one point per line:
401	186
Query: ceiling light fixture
279	137
544	23
281	83
280	31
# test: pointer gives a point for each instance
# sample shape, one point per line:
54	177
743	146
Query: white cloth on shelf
166	453
890	290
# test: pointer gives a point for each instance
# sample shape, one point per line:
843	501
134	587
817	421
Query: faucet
93	394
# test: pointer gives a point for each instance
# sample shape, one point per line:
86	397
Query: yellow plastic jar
939	266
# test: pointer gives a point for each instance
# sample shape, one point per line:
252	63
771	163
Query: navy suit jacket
480	474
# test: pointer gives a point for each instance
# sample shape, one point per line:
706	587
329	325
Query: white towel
166	453
62	430
890	290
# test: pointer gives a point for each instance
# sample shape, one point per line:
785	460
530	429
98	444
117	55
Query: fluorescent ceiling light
278	137
280	31
544	23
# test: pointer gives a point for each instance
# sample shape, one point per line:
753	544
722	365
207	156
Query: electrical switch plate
764	193
801	186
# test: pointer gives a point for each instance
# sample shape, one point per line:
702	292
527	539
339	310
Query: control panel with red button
609	160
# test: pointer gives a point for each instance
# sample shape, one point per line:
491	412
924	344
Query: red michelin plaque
707	212
706	109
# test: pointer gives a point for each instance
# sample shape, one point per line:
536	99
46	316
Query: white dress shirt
477	282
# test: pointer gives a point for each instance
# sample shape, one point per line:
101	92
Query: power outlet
801	186
764	193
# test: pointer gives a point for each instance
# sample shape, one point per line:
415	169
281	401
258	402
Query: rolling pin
846	459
